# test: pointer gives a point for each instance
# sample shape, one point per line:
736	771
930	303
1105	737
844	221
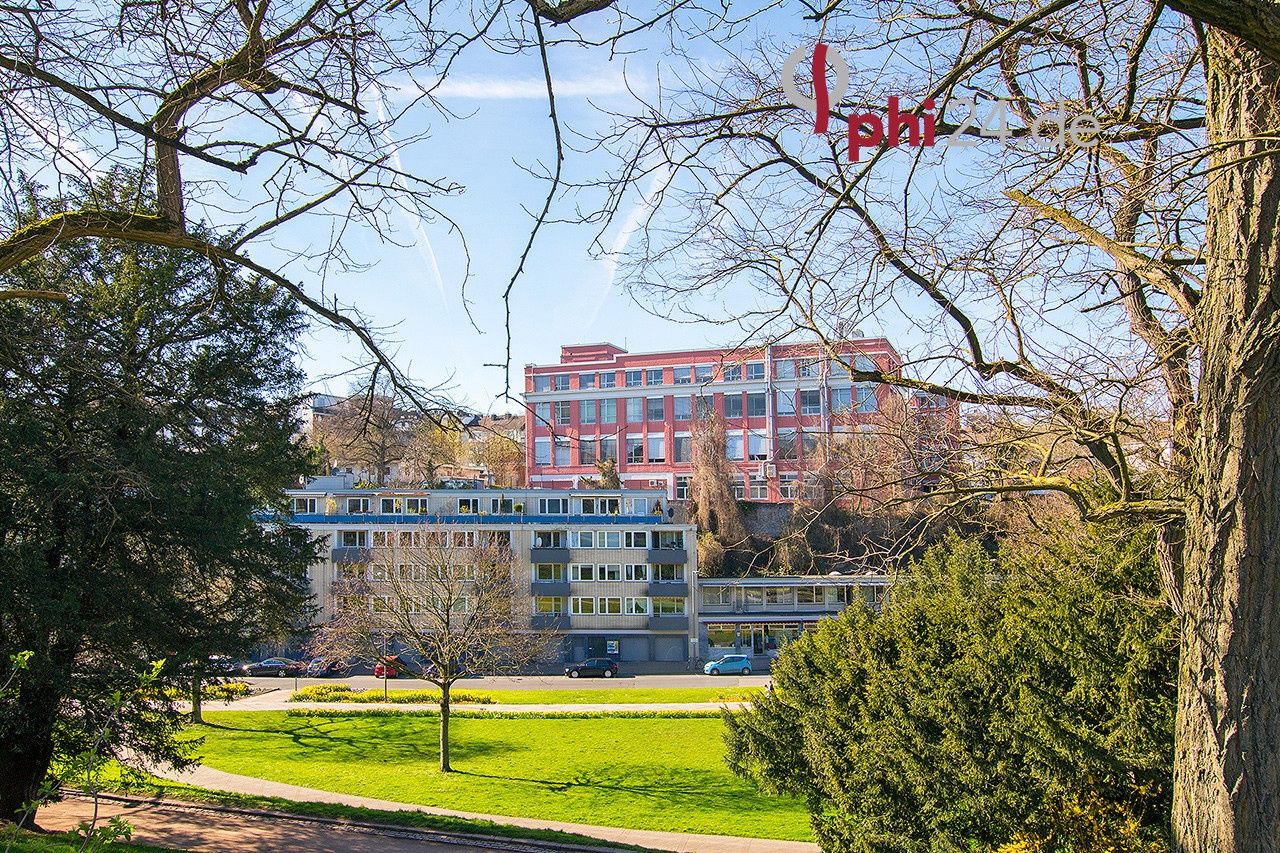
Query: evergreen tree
144	421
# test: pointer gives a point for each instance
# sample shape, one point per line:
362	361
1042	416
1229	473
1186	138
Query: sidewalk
207	777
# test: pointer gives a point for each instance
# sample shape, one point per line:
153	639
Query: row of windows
608	572
608	539
700	374
751	405
553	605
652	448
424	539
725	596
390	603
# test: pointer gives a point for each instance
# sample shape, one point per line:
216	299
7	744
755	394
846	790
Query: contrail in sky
637	214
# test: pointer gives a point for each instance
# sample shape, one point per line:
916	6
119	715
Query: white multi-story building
610	570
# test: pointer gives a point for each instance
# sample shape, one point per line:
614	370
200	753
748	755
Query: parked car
390	667
602	667
740	664
222	665
320	668
279	667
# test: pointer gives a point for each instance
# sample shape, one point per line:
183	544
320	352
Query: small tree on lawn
449	597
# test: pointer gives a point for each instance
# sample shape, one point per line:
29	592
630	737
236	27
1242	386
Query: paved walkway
208	832
207	777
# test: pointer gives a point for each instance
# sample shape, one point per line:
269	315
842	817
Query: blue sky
565	296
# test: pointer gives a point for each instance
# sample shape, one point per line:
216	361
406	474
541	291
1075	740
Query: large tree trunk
26	747
1227	777
444	727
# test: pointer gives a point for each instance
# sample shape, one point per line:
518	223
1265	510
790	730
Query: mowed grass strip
599	696
659	774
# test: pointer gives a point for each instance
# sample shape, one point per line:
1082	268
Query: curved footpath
207	777
278	700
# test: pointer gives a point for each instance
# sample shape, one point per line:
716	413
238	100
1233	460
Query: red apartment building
777	401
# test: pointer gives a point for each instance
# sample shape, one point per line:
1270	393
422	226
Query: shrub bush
344	693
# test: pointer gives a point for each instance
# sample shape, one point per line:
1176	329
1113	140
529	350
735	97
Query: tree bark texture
1227	776
197	716
444	728
26	747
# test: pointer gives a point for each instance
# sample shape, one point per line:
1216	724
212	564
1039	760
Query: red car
390	667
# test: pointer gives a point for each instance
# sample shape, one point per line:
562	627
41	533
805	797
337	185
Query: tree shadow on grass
694	788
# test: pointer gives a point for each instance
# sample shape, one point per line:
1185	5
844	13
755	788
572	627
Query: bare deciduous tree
448	597
1082	294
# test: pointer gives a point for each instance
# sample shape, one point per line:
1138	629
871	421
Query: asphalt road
535	682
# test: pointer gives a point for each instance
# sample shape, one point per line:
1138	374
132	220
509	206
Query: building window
609	539
865	363
356	506
552	605
668	606
542	411
609	572
635	378
562	451
637	572
867	401
732	373
757	447
549	572
587	411
786	403
714	596
587	451
610	606
582	539
733	405
586	380
786	444
808	367
469	506
635	539
668	573
305	506
759	488
682	408
841	400
391	506
739	487
657	448
784	369
582	606
811	402
704	407
352	538
756	405
608	411
563	417
778	596
808	595
681	375
549	538
582	572
733	446
755	370
636	606
561	382
704	373
655	409
683	448
653	376
635	410
553	506
541	384
787	486
635	450
608	380
501	506
682	487
609	449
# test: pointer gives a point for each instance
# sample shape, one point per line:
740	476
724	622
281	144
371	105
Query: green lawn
598	696
660	774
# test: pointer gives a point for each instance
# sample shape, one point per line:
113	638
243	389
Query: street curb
443	836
